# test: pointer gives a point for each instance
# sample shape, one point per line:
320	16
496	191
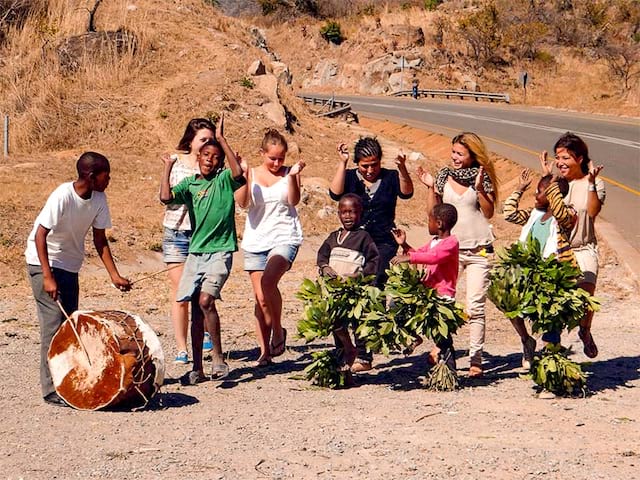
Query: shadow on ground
612	374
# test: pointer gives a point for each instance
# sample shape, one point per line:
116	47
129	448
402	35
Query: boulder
256	68
95	46
281	72
405	36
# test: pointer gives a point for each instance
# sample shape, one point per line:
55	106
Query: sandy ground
270	423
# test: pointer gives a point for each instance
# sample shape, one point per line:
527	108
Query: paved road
520	133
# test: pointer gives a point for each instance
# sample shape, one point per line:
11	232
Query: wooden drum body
106	359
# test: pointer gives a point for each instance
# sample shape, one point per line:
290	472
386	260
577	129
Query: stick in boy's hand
525	180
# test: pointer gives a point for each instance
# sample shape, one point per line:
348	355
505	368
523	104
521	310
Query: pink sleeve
440	254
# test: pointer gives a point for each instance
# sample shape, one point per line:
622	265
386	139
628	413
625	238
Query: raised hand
343	151
167	159
479	185
546	165
401	160
297	168
525	180
220	127
593	173
399	235
425	177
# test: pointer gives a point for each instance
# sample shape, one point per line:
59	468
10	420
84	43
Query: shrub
246	82
331	32
431	4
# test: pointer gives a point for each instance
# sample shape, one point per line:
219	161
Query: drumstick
157	273
73	327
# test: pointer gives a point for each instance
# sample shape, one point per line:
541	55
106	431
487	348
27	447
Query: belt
480	249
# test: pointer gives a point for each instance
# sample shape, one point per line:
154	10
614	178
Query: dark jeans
551	337
387	251
50	316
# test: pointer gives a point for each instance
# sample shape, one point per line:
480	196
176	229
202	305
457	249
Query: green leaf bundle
524	284
413	310
324	371
331	303
553	371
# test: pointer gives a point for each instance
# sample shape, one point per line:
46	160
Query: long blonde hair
480	155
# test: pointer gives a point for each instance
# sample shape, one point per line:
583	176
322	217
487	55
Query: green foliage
331	303
553	371
324	372
331	32
431	4
523	284
441	378
414	310
212	116
246	82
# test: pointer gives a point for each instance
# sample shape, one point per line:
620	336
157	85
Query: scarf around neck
464	176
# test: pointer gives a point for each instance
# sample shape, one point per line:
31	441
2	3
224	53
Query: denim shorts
206	272
254	262
175	245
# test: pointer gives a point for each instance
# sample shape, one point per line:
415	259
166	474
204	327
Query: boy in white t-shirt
55	251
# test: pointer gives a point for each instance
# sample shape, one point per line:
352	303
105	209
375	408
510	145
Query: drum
106	359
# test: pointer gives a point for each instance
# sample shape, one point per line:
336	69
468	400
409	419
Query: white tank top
271	220
472	229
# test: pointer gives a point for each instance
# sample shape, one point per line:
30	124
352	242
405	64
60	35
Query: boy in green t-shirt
209	199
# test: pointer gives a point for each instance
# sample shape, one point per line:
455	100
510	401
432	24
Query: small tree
481	31
331	32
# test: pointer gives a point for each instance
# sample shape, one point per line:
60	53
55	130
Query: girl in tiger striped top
550	223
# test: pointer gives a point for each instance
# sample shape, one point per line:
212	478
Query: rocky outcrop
94	46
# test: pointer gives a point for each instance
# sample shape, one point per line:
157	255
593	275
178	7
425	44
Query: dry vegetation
182	59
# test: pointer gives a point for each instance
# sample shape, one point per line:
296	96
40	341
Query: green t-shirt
211	209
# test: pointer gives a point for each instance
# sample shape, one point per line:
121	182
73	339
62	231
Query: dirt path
271	424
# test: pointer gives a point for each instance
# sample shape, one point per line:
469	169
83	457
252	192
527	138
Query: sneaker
207	344
528	350
182	357
55	399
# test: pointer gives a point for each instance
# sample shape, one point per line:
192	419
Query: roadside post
523	79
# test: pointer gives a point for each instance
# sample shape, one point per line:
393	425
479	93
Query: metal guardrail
335	107
462	94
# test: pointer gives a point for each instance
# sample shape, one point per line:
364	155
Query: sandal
590	347
192	378
219	371
277	350
475	371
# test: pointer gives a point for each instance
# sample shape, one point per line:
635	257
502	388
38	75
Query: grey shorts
206	272
257	261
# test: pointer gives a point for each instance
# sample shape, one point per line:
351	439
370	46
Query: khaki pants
477	268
